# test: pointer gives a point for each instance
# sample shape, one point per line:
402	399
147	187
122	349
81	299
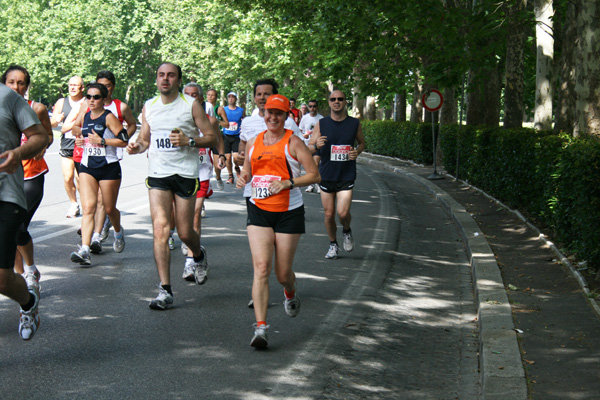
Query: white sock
30	268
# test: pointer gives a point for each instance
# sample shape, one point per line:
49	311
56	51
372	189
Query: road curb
501	370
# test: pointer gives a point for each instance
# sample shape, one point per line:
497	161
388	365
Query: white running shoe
220	184
348	241
163	301
30	320
260	340
201	269
317	188
105	230
309	189
81	256
332	254
33	279
292	306
119	243
184	249
203	212
73	211
188	269
171	242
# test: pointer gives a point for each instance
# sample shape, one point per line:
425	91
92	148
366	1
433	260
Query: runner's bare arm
360	141
129	118
143	140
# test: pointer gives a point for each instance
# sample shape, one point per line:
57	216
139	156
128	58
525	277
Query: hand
241	180
321	141
178	138
94	138
221	163
133	148
12	162
79	141
240	158
277	186
353	154
56	118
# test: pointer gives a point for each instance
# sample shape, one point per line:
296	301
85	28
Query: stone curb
501	370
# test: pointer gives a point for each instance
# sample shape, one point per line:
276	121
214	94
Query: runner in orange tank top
275	209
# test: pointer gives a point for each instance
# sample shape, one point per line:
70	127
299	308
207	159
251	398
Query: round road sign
433	100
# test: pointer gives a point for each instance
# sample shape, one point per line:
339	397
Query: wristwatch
192	142
102	142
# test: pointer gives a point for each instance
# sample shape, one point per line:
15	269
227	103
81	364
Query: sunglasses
337	98
93	96
312	106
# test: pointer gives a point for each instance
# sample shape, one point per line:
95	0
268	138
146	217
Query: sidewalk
539	336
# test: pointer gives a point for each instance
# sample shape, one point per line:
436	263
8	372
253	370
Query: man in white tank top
169	131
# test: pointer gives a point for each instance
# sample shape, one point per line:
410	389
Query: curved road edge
501	370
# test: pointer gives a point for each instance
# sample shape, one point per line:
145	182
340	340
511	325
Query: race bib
204	155
260	185
233	126
162	142
93	150
340	152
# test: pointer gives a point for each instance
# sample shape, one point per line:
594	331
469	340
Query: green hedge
553	178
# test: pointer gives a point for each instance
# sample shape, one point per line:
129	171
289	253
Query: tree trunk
587	72
544	64
416	110
492	94
371	108
515	41
565	34
449	111
400	114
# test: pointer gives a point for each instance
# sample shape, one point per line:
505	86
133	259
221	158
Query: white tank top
163	159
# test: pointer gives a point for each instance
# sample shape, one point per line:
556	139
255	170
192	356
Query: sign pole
432	101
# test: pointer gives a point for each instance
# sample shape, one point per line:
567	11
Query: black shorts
11	222
66	153
109	172
334	187
34	192
182	187
232	143
282	222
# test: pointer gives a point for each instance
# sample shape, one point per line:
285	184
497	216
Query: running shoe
260	339
292	306
220	184
201	269
73	211
81	256
163	301
105	230
33	279
203	212
171	242
309	189
96	247
119	243
237	170
317	188
188	270
30	320
333	251
348	241
230	180
184	249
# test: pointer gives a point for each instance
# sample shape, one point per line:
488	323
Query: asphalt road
99	340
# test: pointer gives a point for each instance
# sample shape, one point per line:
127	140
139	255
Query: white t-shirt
307	125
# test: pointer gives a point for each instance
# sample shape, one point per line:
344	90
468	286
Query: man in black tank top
66	111
334	139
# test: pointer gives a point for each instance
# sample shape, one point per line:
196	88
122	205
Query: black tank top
99	126
339	134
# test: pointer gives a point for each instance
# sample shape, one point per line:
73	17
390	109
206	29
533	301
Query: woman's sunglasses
93	96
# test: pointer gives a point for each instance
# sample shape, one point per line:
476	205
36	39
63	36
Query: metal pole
435	175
